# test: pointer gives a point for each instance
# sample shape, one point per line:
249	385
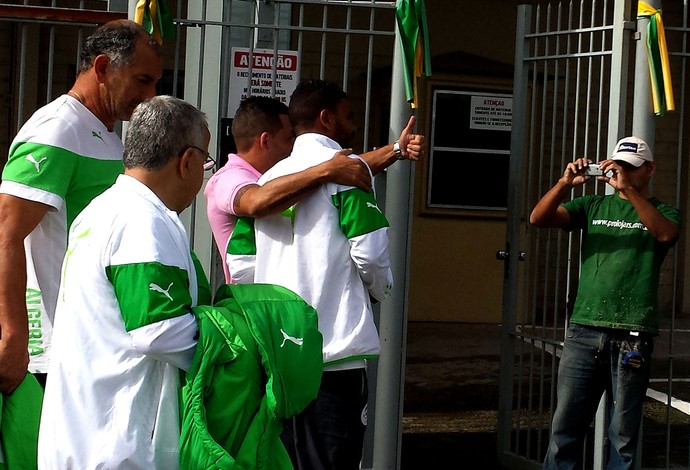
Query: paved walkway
451	396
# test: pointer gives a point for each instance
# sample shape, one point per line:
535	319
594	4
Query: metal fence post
393	323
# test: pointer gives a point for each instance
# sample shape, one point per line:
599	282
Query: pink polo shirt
220	193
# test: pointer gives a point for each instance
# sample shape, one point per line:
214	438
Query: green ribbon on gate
414	39
657	55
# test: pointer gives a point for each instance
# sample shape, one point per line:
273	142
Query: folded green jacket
258	361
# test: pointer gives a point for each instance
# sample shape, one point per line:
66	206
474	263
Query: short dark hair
310	98
117	39
161	128
255	115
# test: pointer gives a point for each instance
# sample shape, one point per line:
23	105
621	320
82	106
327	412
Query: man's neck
255	159
643	192
89	95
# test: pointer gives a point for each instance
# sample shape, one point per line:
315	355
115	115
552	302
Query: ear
100	66
652	168
264	139
184	164
325	118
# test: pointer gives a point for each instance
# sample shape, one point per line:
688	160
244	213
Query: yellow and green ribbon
155	17
657	54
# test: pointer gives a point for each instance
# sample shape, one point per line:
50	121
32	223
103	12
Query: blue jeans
595	360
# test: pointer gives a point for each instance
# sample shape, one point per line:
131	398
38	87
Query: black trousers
329	433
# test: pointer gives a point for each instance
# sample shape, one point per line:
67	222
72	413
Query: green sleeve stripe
41	166
149	292
74	178
243	240
359	212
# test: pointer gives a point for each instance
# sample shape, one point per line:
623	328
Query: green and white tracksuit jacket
331	248
258	361
123	331
62	157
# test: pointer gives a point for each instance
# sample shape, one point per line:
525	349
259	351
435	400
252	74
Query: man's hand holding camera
609	171
576	173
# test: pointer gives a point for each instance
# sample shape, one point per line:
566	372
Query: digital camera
593	169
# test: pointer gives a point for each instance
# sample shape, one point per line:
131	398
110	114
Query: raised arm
411	148
548	213
18	217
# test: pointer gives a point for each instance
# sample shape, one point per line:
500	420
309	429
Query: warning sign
262	80
493	113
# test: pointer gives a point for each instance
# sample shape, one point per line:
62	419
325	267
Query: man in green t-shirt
609	341
63	156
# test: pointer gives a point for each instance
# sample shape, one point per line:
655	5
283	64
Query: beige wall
454	272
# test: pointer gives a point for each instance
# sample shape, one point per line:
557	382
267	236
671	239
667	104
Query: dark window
469	150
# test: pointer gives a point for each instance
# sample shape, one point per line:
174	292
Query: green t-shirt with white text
620	263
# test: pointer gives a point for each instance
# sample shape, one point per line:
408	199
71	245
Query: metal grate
574	82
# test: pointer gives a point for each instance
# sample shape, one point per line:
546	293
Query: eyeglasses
210	162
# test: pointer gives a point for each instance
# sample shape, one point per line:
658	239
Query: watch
397	151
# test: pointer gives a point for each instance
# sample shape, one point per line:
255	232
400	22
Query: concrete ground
452	390
451	396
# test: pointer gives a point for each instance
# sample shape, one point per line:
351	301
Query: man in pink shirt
264	136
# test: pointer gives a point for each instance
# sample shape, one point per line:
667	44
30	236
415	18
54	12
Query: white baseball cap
632	150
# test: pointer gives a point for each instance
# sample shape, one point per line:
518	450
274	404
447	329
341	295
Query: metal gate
575	94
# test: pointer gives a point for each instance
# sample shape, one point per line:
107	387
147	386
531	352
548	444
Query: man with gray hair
124	327
66	154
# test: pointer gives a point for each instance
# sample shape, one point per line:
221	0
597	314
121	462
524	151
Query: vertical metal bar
542	114
588	102
599	459
643	125
370	72
22	73
51	61
602	81
618	81
346	52
300	33
178	43
80	40
324	24
200	67
578	61
617	95
554	99
393	322
225	63
553	170
510	285
252	45
564	156
274	65
676	257
199	90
